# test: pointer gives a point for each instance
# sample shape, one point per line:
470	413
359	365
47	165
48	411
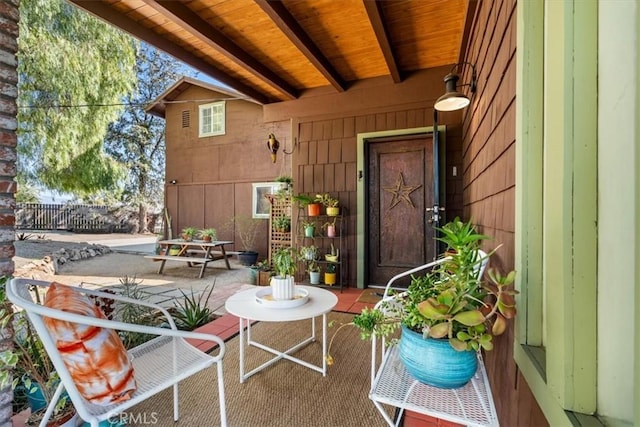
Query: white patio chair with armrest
158	364
388	300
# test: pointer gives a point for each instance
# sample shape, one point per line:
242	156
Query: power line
133	104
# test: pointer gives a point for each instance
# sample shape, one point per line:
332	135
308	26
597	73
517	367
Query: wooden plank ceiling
272	50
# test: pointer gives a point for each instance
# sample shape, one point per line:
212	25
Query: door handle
435	216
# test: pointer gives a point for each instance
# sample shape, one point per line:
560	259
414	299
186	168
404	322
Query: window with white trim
211	119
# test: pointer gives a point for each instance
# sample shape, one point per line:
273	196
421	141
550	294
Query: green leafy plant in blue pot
452	311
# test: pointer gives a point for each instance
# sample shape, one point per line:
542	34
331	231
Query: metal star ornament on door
401	192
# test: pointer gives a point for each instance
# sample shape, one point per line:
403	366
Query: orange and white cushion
95	357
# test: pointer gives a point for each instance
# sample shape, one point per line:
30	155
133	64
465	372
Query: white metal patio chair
395	387
158	364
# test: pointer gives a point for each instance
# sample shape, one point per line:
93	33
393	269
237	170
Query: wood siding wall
214	174
326	125
488	182
327	155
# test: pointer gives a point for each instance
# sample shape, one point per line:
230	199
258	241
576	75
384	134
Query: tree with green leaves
73	73
137	139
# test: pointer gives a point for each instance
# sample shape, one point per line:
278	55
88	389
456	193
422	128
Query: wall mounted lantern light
453	100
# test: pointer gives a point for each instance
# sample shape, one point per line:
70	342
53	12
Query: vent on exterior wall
186	119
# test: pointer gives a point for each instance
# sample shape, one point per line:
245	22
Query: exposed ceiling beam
178	13
106	13
290	27
374	10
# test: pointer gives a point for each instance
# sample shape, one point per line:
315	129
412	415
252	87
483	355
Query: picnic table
193	252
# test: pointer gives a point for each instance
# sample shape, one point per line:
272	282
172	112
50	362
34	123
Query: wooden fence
91	218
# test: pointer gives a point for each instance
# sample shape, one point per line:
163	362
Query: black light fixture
453	100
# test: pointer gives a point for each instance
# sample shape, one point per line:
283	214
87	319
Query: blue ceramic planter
36	398
435	362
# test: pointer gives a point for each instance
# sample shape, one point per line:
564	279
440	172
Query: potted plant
330	274
264	272
246	229
282	224
330	226
330	203
309	228
312	205
333	255
287	181
174	250
308	253
208	234
188	233
448	314
314	272
284	263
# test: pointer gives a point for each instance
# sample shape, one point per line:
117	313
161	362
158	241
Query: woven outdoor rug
370	296
284	394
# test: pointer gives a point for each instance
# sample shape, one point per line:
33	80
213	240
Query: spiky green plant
193	311
133	313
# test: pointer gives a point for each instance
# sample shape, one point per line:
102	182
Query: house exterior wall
326	126
214	175
488	182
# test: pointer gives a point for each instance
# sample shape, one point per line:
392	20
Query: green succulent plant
450	302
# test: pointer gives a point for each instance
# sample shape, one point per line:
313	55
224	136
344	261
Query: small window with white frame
211	119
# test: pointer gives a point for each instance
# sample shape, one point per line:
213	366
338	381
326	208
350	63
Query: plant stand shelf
323	242
470	405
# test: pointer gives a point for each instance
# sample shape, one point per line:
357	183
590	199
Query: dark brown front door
400	187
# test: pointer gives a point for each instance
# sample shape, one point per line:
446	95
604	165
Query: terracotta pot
313	209
206	238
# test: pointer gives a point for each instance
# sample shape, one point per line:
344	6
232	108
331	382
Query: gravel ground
28	250
109	269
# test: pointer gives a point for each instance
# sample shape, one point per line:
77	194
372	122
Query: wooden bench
188	259
196	252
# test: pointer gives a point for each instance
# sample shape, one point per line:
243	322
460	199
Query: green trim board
637	227
556	230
